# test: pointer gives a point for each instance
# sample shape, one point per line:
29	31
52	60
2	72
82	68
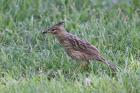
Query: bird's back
79	49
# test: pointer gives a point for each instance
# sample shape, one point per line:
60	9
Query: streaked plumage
75	47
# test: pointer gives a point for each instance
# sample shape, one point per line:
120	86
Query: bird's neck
62	35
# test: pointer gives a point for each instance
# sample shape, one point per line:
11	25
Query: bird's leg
83	66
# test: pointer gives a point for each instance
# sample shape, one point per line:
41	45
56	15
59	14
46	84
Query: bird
78	49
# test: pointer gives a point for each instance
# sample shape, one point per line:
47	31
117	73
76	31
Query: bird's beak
46	31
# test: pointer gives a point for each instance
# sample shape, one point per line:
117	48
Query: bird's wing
82	45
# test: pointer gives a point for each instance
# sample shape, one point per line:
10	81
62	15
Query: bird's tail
111	65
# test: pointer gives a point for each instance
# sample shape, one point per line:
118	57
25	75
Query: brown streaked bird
77	48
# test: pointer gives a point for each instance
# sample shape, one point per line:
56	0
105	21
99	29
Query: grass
34	63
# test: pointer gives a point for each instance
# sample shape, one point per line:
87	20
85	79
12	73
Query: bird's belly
77	55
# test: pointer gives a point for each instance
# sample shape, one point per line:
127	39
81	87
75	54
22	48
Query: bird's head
57	29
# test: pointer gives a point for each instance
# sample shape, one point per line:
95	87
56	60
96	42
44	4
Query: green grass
34	63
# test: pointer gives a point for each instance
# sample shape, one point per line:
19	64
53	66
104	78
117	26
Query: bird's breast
65	43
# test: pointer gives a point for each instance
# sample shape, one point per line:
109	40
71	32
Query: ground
31	62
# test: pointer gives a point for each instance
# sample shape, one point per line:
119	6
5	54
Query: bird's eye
54	29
